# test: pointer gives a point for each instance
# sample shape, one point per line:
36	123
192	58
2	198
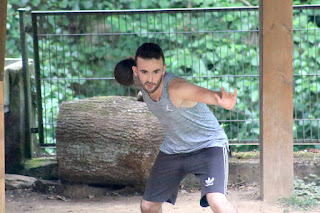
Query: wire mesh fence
306	61
212	48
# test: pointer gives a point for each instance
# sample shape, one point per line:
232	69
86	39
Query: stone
13	181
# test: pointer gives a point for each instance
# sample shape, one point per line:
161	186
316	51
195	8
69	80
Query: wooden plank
3	20
2	152
276	99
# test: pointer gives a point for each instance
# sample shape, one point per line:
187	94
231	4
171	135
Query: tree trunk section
106	141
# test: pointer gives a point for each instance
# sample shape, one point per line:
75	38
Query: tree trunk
106	141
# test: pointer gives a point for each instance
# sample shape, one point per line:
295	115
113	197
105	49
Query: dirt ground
245	198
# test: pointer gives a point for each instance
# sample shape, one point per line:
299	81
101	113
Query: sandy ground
246	199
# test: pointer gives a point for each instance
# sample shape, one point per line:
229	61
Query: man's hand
227	100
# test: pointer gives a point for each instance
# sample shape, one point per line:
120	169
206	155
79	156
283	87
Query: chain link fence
76	51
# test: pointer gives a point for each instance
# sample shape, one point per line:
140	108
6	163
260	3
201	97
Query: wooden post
3	21
276	99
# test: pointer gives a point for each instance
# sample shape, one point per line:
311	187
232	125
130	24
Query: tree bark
106	141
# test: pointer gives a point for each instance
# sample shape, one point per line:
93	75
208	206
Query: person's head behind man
123	72
150	66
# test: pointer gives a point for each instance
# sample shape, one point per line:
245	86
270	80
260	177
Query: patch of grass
37	162
304	154
246	155
306	194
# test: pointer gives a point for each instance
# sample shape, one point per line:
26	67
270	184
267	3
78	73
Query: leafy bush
306	194
201	51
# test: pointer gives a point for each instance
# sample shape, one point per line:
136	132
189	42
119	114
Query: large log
106	141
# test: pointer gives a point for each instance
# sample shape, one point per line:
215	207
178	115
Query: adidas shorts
209	165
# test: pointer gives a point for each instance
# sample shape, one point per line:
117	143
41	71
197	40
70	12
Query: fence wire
306	62
212	48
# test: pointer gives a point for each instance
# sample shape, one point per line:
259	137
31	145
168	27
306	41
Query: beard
149	91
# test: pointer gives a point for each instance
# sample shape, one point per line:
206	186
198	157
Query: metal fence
75	53
306	63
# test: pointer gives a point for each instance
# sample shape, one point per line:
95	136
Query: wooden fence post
3	21
276	99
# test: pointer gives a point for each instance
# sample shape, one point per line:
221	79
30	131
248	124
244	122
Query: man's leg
219	203
210	165
150	207
163	183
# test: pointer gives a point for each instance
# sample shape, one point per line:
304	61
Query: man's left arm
185	91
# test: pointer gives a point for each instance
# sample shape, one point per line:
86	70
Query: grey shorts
209	165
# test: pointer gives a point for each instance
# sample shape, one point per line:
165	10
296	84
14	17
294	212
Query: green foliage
306	194
306	62
208	49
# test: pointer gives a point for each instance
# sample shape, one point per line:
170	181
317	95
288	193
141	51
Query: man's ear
164	69
135	70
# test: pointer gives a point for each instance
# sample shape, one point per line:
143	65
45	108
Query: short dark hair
123	72
150	51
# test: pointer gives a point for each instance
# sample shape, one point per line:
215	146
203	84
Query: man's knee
150	207
219	203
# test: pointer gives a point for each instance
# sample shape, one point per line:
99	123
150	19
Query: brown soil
245	198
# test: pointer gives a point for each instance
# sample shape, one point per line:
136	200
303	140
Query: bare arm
182	91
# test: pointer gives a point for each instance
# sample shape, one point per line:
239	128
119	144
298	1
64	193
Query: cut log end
107	141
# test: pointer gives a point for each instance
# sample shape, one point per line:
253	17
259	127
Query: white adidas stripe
226	168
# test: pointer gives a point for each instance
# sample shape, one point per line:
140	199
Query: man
194	142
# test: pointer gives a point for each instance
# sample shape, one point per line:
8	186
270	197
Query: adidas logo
209	181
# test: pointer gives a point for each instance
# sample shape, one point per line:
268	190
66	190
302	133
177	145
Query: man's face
149	73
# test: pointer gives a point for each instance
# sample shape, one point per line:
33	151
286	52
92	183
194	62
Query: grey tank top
186	129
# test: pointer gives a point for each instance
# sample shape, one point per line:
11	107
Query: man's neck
156	95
